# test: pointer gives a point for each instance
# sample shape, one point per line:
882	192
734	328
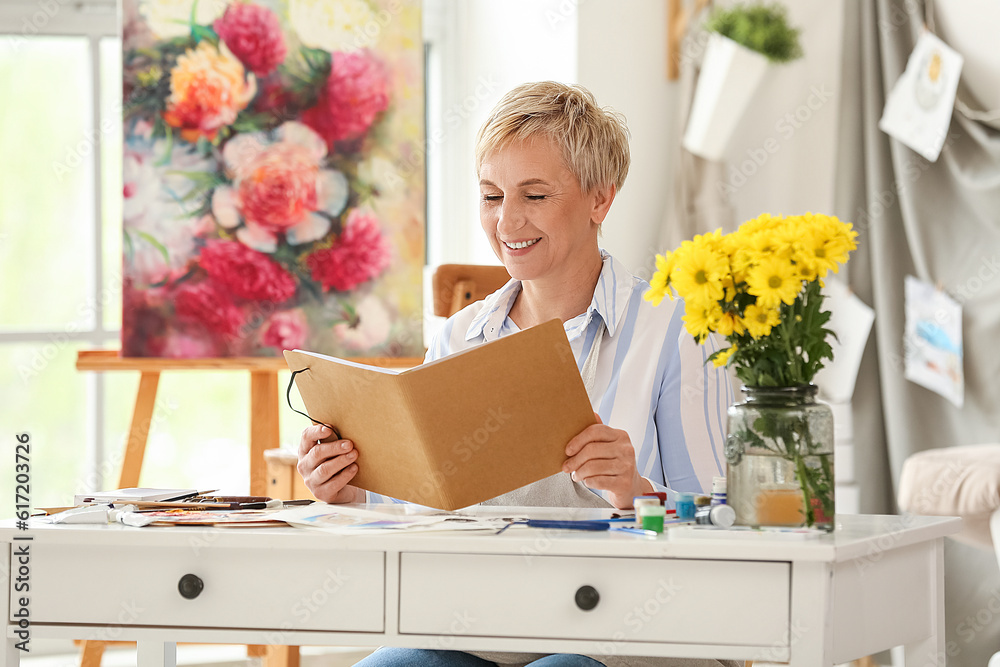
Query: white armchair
957	481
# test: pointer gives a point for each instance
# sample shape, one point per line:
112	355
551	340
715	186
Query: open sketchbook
459	430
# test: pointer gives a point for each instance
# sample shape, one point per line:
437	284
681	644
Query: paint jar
685	506
718	491
722	516
660	495
639	501
651	517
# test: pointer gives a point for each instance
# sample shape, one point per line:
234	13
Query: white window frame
93	20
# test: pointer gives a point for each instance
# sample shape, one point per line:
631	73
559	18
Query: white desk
875	583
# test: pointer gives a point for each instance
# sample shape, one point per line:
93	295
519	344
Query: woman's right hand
327	467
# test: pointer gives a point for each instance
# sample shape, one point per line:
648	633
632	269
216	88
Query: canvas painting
273	177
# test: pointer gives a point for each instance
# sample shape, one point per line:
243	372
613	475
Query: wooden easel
264	410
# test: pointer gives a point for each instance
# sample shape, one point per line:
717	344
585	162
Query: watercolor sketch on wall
273	177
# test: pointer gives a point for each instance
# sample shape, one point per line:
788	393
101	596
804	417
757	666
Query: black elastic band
288	397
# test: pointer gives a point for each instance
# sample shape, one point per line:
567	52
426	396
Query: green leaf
168	150
202	178
201	32
761	28
156	244
127	245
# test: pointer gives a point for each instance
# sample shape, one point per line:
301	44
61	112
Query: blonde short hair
594	140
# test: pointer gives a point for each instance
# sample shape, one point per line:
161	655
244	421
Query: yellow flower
698	271
774	281
714	240
787	239
764	221
700	319
722	358
731	323
805	268
655	295
769	243
760	320
729	288
826	245
659	284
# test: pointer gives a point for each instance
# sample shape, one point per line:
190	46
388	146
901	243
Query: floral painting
273	177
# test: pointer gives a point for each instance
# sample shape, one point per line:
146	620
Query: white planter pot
729	77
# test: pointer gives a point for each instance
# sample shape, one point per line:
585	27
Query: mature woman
550	162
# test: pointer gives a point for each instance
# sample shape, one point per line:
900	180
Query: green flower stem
793	358
793	443
825	498
800	470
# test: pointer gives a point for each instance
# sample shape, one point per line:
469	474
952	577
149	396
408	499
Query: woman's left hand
603	458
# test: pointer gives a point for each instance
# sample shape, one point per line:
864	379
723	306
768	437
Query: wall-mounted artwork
273	177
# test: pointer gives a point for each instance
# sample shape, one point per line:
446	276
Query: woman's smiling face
537	219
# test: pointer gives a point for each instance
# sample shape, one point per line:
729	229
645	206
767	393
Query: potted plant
759	288
743	40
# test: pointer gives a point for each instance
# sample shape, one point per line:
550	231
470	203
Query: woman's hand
328	466
603	458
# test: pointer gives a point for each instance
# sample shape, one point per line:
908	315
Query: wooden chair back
455	286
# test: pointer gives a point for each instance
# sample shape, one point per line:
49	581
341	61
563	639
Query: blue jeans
418	657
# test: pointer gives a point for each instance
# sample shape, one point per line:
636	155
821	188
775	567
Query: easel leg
138	433
282	656
264	432
91	653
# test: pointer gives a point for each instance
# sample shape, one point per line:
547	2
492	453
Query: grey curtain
938	221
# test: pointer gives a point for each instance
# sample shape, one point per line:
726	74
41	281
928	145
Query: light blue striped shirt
652	380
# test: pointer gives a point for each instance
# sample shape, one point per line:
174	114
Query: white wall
486	48
782	157
622	59
490	46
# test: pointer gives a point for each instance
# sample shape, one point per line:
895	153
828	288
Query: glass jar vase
779	455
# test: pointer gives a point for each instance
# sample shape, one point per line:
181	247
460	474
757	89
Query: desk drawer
640	599
261	589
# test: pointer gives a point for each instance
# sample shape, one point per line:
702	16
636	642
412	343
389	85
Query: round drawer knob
190	586
587	597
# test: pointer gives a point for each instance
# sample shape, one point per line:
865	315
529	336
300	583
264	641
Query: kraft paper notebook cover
459	430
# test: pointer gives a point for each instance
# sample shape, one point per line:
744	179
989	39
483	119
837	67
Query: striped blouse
652	380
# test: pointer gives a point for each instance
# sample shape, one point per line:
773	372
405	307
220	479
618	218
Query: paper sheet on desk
181	517
393	518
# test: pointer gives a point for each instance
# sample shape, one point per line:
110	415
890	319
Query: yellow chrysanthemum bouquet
760	288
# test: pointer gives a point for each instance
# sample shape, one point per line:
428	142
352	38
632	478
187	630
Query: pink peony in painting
273	177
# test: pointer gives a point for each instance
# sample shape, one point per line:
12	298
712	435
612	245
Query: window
60	263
